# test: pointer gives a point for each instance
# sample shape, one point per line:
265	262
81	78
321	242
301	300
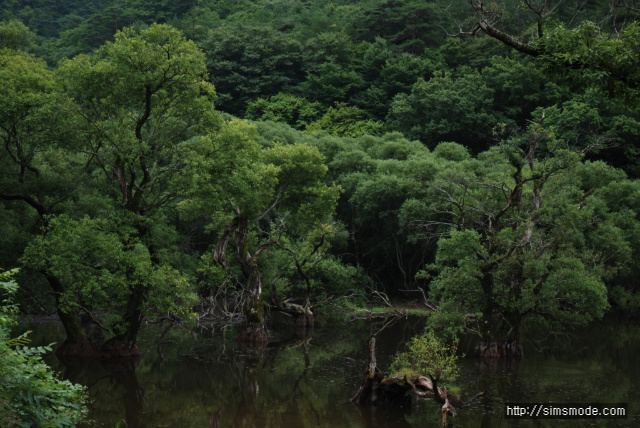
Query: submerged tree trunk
495	343
369	392
77	342
254	329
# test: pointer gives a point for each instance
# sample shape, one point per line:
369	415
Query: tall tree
281	192
145	110
518	230
41	172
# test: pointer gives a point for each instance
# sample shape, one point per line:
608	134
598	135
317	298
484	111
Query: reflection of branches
296	391
162	336
553	341
387	324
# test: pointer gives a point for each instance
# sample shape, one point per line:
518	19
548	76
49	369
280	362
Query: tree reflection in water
303	379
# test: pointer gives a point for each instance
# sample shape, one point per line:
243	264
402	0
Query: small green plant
30	393
427	354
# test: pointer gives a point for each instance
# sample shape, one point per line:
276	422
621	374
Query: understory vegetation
32	395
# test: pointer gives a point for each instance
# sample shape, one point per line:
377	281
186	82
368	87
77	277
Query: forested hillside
220	157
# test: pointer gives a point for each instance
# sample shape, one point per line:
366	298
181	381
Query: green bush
427	354
30	393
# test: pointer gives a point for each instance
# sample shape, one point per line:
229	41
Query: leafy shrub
427	354
30	393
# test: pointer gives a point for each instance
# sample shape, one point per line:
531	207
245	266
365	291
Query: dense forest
214	159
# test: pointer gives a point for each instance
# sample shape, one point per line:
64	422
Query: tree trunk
369	392
500	333
124	345
487	321
306	319
254	329
502	339
77	343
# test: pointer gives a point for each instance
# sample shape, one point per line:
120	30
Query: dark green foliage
448	108
387	73
609	128
469	107
412	25
198	20
247	62
15	35
378	175
47	18
331	83
587	57
331	61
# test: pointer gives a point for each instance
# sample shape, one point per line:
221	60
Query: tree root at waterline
377	389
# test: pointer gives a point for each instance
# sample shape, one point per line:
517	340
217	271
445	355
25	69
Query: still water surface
204	379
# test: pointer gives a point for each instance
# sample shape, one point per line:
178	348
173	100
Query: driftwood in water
377	389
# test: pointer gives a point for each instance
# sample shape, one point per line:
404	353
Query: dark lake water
203	378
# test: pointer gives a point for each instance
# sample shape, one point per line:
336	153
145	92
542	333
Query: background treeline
355	67
376	153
